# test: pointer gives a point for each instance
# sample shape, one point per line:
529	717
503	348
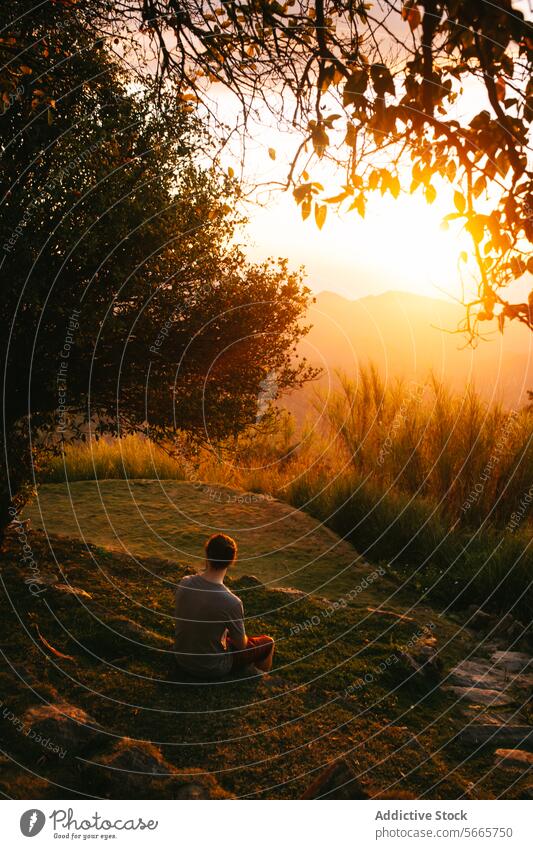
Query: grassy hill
172	519
88	629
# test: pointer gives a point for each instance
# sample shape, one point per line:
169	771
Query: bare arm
240	642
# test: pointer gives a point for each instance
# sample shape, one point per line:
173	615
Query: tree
372	86
126	301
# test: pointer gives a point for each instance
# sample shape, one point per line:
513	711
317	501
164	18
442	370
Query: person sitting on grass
210	639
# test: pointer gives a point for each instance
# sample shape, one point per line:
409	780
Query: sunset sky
399	245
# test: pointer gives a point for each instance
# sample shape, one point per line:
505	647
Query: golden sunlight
400	244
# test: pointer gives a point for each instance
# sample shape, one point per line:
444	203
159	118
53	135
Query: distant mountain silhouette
410	335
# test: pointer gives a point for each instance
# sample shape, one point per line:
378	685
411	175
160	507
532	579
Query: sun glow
400	244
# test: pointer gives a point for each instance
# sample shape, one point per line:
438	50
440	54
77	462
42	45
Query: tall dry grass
437	485
472	462
100	459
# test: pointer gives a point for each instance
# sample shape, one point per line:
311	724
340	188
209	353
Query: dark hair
220	551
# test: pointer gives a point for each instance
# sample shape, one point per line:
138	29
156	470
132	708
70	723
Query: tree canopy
402	96
126	300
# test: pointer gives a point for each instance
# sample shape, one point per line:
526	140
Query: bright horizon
399	245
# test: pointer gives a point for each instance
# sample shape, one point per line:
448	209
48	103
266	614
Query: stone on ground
490	674
337	781
494	698
63	725
512	661
497	730
137	768
514	758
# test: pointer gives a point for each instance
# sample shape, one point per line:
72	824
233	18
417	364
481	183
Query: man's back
204	611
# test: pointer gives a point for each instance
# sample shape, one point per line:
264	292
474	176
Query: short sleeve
235	623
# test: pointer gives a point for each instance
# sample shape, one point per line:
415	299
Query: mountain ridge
409	335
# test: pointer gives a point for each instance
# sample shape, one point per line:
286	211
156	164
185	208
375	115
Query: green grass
458	567
258	740
172	519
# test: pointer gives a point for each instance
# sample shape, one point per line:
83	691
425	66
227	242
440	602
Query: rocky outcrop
497	731
337	781
135	769
514	758
62	725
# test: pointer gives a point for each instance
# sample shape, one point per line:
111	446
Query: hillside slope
408	335
92	704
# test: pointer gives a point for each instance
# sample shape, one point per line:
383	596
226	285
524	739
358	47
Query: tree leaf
351	135
500	89
460	202
373	180
271	152
337	198
382	79
320	215
320	139
476	228
430	193
355	86
328	122
359	204
451	170
394	186
479	186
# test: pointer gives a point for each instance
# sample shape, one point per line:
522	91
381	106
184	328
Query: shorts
257	650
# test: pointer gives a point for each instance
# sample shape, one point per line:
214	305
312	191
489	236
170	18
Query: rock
487	675
514	758
248	581
479	620
137	757
63	725
191	791
68	589
110	628
496	698
425	662
199	785
138	769
509	627
478	673
512	661
337	781
479	733
515	631
292	592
